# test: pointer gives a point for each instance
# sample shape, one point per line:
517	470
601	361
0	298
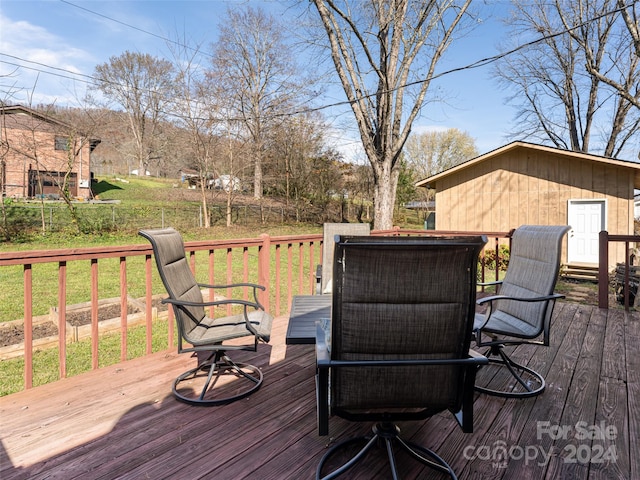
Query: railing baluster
300	267
212	278
312	274
229	275
28	325
627	268
289	272
62	319
123	308
296	276
277	280
245	271
171	326
94	314
147	303
264	269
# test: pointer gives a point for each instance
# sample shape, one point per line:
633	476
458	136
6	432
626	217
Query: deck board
122	421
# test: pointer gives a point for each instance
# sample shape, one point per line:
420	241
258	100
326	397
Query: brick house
40	155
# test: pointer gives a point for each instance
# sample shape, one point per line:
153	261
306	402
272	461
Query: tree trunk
257	179
205	208
229	211
385	194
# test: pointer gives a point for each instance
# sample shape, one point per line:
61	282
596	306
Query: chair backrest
534	265
176	275
330	230
402	298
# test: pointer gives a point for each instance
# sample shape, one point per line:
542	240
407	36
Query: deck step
588	273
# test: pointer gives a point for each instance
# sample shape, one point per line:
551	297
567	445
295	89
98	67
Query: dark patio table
305	311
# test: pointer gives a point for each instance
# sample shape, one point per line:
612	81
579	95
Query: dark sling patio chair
206	335
520	312
397	346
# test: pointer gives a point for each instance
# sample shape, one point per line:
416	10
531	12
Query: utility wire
168	40
477	64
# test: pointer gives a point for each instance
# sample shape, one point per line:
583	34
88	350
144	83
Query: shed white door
587	220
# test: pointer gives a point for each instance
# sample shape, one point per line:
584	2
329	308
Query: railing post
627	273
264	262
603	267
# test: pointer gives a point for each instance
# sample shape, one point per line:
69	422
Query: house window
62	143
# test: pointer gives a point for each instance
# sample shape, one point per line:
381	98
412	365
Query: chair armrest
245	303
480	359
493	298
490	284
232	285
255	287
185	303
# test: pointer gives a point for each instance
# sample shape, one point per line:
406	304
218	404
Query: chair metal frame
385	431
217	365
531	383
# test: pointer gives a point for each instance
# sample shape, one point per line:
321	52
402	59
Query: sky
48	49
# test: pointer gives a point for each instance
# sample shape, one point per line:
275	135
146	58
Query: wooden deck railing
603	267
284	264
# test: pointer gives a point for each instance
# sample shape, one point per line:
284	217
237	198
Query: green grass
78	291
138	194
143	190
46	362
45	276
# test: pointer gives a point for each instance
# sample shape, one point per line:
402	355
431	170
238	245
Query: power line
168	40
68	74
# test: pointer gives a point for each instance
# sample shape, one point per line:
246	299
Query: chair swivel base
388	434
209	379
530	382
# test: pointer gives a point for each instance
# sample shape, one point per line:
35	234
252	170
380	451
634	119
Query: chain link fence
19	219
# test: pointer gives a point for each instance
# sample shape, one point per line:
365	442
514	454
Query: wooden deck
122	421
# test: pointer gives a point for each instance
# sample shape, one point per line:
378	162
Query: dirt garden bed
78	319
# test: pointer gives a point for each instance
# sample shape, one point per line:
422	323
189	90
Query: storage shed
523	183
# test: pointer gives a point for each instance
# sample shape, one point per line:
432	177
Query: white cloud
35	60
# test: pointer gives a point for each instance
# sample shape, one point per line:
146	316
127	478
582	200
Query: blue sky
65	35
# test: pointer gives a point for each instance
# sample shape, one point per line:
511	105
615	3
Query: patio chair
521	310
324	272
206	335
397	346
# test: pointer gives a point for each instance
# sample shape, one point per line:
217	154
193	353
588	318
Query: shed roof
633	166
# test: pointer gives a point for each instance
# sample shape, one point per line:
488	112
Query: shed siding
525	186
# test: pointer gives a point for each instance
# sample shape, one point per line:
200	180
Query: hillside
152	190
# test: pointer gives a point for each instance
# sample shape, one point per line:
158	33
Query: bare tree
624	75
140	84
631	20
561	99
301	167
385	54
194	111
254	66
432	152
